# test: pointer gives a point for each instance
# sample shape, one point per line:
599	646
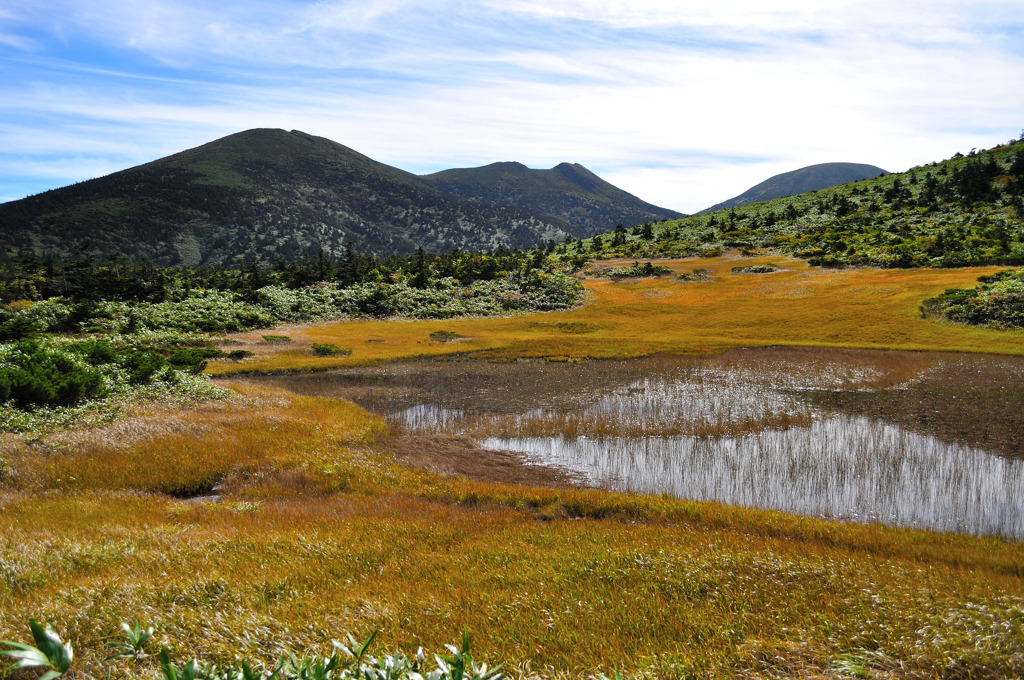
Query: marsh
927	440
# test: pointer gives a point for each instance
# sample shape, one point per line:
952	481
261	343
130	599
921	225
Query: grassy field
797	305
318	529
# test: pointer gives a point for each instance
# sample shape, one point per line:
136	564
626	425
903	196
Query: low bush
326	349
216	311
695	275
755	269
194	359
142	365
444	336
997	301
637	270
32	375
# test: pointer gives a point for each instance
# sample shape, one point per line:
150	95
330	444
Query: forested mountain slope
260	194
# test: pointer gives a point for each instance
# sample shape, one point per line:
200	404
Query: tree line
116	278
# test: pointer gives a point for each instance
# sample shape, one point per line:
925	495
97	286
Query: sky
684	104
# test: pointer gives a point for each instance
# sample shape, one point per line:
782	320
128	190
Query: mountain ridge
264	194
569	194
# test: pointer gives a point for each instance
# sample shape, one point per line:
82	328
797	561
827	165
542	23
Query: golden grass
224	579
320	533
798	305
188	452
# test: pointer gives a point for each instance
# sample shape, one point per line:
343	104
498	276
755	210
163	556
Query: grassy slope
798	305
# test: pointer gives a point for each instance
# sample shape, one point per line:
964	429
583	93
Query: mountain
811	178
260	194
568	195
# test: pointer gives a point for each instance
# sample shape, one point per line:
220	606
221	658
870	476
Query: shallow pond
909	439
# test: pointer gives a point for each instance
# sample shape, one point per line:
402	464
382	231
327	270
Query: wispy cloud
680	103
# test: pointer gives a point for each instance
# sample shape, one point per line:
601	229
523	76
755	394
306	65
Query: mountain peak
802	180
569	194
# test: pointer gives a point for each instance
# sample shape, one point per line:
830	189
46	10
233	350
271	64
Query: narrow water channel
924	440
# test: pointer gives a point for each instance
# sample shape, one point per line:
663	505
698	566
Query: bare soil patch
462	456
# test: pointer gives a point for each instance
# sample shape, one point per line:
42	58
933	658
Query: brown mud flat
463	457
969	399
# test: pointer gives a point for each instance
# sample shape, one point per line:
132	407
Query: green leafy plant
355	649
852	665
135	647
189	671
616	675
276	339
49	651
460	665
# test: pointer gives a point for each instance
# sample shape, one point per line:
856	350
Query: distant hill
568	194
260	194
811	178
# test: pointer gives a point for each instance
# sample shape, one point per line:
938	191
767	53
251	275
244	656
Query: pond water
907	439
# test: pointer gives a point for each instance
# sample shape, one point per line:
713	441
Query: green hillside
963	211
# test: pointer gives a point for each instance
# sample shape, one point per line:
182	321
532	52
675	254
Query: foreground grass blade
49	651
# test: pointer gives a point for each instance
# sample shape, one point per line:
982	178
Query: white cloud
684	104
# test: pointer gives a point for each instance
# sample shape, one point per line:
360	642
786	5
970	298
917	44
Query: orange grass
189	452
798	305
220	581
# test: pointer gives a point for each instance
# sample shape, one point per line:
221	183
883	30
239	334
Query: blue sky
683	104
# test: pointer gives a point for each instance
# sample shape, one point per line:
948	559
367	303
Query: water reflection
842	467
426	417
903	438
